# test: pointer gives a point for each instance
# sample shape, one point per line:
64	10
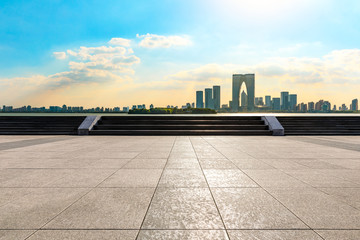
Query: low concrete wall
88	124
274	125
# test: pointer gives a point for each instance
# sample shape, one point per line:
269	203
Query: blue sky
307	47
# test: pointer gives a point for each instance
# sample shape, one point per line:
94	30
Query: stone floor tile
251	164
29	177
182	234
273	178
38	207
350	196
109	163
321	178
146	163
183	164
15	234
221	163
106	208
153	155
182	208
253	208
81	177
182	178
225	178
339	234
273	235
317	209
133	178
84	235
8	195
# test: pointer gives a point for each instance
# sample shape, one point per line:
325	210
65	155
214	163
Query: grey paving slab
109	163
81	177
317	209
108	187
106	208
273	178
182	208
322	178
182	234
15	234
182	178
253	208
34	210
273	235
183	164
251	164
8	195
84	235
146	163
133	178
350	196
339	234
215	163
228	178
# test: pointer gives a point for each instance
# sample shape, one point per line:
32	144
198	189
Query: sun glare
259	10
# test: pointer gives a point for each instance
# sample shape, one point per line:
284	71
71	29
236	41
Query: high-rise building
259	101
216	94
268	101
276	104
311	106
318	105
292	101
151	106
243	99
199	99
326	106
208	98
237	82
284	101
354	105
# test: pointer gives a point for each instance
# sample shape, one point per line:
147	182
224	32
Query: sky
121	53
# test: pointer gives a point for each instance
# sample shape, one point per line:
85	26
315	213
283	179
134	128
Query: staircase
320	125
39	125
180	125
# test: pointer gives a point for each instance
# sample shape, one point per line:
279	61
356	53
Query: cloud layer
158	41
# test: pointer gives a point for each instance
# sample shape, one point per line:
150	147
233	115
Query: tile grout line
157	185
212	196
91	189
267	192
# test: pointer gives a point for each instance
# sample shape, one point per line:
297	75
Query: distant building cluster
63	109
242	101
212	98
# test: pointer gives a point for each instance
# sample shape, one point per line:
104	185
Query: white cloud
329	69
158	41
59	55
120	42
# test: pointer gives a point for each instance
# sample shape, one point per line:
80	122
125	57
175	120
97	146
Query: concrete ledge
274	125
88	124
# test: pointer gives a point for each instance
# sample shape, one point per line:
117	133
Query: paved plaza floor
167	187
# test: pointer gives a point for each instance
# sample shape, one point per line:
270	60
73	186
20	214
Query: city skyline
159	52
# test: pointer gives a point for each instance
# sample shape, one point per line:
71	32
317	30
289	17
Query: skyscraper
268	101
284	101
237	82
199	99
276	104
311	106
208	98
354	105
216	94
292	102
243	99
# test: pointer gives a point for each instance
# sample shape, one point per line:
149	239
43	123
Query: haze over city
95	53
